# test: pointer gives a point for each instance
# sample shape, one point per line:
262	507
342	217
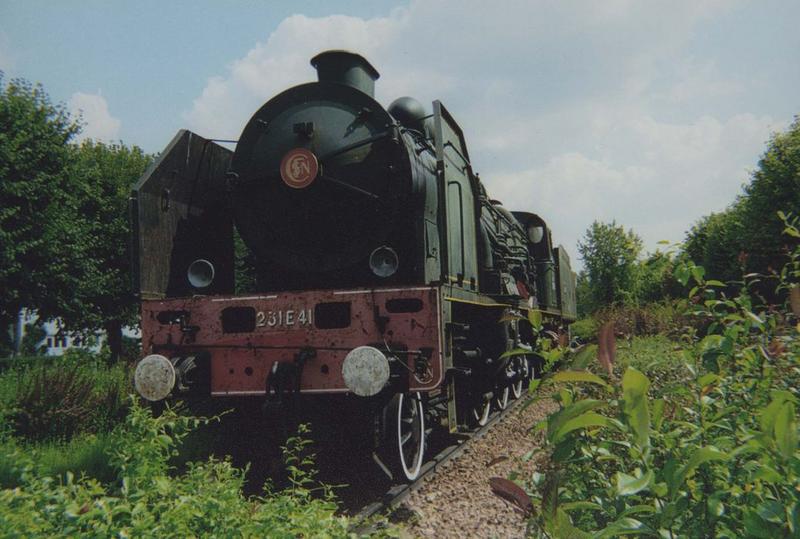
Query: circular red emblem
299	168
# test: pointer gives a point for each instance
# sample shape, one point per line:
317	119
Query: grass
83	456
660	357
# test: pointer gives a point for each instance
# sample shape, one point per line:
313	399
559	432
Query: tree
747	237
654	279
775	186
34	154
716	243
96	228
609	255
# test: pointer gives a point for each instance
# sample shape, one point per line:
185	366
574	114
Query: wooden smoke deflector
179	214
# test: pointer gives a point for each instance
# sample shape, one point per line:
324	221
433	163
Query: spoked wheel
407	434
501	398
523	374
481	409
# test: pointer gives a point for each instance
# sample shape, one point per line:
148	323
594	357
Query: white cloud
574	111
93	108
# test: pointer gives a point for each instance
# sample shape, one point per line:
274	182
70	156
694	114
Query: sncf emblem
299	168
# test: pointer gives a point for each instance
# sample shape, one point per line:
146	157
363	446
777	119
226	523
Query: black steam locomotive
384	272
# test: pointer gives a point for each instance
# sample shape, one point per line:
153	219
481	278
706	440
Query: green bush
147	501
55	399
703	445
666	317
584	329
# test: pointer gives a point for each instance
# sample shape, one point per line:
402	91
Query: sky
648	113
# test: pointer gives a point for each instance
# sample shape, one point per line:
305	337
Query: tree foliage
609	254
748	234
64	229
97	229
34	158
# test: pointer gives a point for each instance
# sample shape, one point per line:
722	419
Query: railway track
396	494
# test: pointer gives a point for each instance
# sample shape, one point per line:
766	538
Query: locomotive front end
323	182
325	187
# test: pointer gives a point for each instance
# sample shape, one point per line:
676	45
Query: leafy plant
148	500
713	454
55	399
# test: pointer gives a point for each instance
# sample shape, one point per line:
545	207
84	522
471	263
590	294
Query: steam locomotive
383	270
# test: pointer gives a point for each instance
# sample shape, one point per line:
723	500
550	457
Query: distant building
57	341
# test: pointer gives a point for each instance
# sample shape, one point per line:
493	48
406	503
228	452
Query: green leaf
628	484
559	418
637	509
770	413
793	517
707	379
698	272
584	357
515	352
682	274
715	506
714	282
562	526
771	511
535	318
755	526
578	376
768	474
624	526
589	419
786	431
754	317
581	506
710	342
698	457
658	413
634	392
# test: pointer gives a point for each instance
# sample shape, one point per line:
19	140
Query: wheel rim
481	411
410	435
522	375
502	398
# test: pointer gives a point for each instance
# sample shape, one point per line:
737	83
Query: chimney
348	68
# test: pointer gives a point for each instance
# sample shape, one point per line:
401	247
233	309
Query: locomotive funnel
348	68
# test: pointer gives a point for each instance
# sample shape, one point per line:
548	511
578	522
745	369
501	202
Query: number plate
284	318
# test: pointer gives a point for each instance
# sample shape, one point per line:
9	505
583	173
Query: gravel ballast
458	501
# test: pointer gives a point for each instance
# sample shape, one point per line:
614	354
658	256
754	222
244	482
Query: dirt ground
458	502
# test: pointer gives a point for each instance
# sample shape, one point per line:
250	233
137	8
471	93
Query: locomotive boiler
383	271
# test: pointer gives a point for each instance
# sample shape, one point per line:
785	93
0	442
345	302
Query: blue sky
650	113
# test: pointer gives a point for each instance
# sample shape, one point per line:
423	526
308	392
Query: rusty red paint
241	362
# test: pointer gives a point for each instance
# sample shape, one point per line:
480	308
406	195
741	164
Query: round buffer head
365	371
154	377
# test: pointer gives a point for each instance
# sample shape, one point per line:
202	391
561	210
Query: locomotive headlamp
154	377
383	261
535	233
365	371
200	273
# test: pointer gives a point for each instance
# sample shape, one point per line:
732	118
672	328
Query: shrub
55	399
584	329
147	502
665	317
708	450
